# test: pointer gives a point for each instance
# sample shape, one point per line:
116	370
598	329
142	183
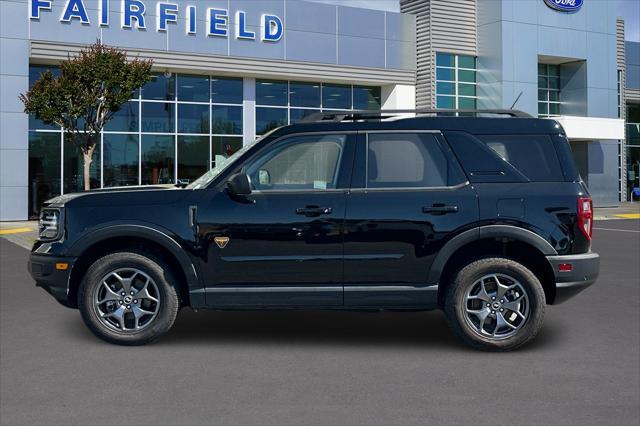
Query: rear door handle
313	210
439	209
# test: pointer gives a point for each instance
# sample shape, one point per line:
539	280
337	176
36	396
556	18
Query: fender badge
221	241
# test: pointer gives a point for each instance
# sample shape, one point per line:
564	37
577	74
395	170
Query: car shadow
427	329
340	328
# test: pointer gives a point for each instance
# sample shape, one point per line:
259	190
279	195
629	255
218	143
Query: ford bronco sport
480	213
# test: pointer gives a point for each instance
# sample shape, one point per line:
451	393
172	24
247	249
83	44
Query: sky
628	9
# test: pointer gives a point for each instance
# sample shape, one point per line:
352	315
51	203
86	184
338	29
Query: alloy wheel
496	306
127	300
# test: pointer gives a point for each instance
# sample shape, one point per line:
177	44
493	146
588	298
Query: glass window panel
467	62
445	74
44	168
304	94
554	70
296	115
542	69
35	71
554	109
466	103
466	89
543	108
120	159
554	83
542	95
405	160
226	90
125	120
445	60
226	120
160	88
533	155
193	157
271	92
73	174
543	83
223	147
443	88
467	76
305	162
554	95
193	118
193	88
158	117
366	98
270	118
158	159
336	96
446	102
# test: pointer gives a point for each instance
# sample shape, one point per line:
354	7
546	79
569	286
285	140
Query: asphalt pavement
318	367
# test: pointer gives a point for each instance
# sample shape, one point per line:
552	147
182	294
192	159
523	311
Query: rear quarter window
533	155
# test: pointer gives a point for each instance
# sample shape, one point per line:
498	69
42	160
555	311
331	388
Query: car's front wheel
495	304
128	298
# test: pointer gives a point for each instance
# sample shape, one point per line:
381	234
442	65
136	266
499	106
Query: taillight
585	216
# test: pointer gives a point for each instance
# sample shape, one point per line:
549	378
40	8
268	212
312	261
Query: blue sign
565	5
133	15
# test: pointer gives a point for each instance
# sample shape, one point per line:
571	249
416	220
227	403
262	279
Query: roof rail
389	113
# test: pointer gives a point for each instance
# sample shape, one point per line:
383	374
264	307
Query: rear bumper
56	282
584	272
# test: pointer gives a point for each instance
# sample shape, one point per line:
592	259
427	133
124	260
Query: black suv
482	214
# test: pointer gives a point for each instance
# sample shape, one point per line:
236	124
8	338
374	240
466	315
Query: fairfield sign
133	14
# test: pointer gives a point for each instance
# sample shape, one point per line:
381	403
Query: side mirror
239	184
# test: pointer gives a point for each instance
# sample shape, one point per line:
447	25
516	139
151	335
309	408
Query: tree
91	87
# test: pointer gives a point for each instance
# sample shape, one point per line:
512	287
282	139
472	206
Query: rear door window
408	160
533	155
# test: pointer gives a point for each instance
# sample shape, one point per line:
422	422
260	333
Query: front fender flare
147	231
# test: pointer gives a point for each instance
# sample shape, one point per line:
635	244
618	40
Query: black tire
456	304
167	305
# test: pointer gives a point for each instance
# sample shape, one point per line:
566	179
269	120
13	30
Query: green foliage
90	89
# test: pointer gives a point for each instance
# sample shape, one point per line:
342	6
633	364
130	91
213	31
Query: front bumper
55	281
584	272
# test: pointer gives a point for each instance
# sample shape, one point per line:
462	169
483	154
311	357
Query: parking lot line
14	231
629	215
618	230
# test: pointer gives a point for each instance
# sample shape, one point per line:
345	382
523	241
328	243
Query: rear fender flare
482	232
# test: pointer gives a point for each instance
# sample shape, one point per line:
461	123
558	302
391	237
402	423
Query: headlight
49	225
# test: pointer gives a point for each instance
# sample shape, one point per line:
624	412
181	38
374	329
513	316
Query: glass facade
548	90
175	127
456	80
280	102
633	152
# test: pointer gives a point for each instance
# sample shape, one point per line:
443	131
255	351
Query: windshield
206	178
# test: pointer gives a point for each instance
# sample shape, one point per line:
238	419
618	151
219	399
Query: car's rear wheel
128	298
495	304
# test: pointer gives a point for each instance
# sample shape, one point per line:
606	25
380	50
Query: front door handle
313	210
439	209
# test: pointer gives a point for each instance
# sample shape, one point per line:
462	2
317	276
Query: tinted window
120	160
336	96
405	160
160	88
226	90
158	159
306	162
533	155
271	92
193	88
304	94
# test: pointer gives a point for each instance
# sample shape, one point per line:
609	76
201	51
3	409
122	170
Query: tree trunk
87	159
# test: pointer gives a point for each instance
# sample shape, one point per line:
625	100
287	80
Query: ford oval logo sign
565	5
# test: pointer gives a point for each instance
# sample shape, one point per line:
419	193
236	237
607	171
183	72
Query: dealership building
226	71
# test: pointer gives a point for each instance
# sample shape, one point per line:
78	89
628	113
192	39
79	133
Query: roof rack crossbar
378	114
